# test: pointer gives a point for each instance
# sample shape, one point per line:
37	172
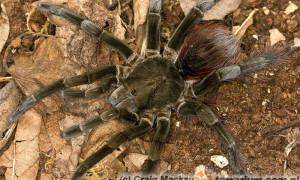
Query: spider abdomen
154	83
206	48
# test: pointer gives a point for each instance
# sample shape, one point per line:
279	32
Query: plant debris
4	26
276	36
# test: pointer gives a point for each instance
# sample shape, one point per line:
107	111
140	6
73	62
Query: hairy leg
91	28
70	81
186	25
153	28
113	143
258	62
78	129
163	127
198	108
106	83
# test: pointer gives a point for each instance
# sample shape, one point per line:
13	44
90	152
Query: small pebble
219	160
255	36
291	8
266	10
224	173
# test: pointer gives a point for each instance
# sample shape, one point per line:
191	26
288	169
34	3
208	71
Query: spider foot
59	11
49	8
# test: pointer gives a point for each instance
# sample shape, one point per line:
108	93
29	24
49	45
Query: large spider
198	58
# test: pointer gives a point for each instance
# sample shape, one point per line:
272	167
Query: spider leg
258	62
93	92
187	24
145	125
153	28
90	28
163	127
78	129
70	81
198	108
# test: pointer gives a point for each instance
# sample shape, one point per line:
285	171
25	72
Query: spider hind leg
255	63
198	108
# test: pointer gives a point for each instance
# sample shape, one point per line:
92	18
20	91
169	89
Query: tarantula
198	57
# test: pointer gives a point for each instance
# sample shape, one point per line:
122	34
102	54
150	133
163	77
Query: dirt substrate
248	104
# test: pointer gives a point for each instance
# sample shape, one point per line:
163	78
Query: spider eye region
154	83
134	92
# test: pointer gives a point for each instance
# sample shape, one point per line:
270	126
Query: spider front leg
78	129
70	81
106	83
90	28
144	126
198	108
258	62
153	28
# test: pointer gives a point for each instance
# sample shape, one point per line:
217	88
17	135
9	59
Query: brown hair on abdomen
207	47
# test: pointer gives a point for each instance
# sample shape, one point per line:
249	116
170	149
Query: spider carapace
158	86
198	57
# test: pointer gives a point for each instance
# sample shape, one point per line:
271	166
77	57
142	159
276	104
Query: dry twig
294	123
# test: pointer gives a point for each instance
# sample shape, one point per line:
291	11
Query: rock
291	8
219	160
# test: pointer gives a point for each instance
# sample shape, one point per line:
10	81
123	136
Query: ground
245	105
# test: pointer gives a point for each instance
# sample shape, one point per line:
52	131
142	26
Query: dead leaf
38	69
140	9
45	176
43	67
240	30
72	52
162	167
117	168
10	96
129	164
24	161
276	36
293	138
4	27
217	12
137	159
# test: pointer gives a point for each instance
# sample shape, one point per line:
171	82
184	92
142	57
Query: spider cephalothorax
150	87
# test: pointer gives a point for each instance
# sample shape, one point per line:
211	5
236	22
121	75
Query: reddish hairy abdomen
206	48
